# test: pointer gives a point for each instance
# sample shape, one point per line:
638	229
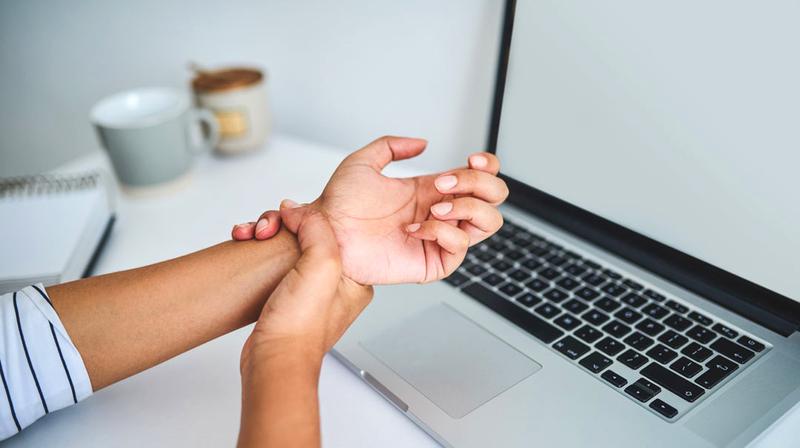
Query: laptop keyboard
656	350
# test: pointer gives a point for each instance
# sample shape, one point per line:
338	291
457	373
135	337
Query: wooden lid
226	79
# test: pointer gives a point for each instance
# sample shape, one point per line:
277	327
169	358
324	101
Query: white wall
340	72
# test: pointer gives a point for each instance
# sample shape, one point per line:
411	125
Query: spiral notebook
51	228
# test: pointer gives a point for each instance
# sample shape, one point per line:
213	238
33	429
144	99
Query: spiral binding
41	184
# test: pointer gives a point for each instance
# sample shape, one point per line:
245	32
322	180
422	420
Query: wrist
267	354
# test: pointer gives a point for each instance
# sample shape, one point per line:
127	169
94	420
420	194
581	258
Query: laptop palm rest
450	359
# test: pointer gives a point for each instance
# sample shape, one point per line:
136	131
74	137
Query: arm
126	322
308	312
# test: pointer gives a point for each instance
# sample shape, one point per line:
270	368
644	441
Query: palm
368	213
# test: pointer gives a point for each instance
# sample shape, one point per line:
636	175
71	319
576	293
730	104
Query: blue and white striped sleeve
40	368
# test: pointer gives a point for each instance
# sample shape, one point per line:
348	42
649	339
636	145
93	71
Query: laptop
644	288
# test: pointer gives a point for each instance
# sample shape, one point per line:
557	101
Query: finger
242	232
482	185
380	152
483	218
268	224
317	244
292	214
484	161
453	241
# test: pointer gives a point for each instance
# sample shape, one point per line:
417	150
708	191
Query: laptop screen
678	120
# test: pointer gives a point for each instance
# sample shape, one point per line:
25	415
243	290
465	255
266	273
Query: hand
400	230
313	305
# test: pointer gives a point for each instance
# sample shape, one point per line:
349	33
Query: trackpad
450	359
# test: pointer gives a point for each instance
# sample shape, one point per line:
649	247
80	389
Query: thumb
380	152
292	214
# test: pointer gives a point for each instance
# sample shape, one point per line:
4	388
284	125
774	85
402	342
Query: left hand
393	230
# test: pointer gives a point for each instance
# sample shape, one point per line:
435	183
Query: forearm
126	322
280	406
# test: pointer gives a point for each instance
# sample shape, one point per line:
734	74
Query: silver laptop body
586	321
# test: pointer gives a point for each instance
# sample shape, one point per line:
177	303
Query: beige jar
238	99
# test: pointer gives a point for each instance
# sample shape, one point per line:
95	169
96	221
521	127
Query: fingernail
413	227
446	182
442	208
239	226
288	203
262	225
478	161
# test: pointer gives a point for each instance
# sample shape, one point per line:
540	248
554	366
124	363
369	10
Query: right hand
392	230
312	306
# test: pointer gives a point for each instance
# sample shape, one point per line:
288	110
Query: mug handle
208	139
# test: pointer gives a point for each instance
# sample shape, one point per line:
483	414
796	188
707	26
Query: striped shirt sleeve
40	368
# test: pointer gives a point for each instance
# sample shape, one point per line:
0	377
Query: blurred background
340	73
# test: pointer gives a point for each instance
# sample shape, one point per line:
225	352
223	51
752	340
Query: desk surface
194	399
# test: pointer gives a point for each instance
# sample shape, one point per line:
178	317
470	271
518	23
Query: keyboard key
613	289
538	250
457	279
697	352
556	295
537	285
652	295
632	284
532	264
663	408
628	315
662	354
673	340
549	273
571	347
519	275
547	310
655	311
677	307
567	283
732	350
726	331
535	326
485	256
575	306
686	367
751	343
616	329
699	318
501	265
611	274
528	299
555	259
701	334
593	279
607	304
476	269
632	359
596	362
633	299
507	231
642	390
572	255
650	327
595	317
588	334
519	241
718	369
574	269
513	255
567	322
492	279
610	346
677	322
614	378
638	341
586	293
672	382
591	264
510	289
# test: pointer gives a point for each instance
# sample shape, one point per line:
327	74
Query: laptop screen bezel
748	299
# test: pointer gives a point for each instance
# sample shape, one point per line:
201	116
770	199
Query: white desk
193	400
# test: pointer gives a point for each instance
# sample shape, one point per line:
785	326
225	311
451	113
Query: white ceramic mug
151	133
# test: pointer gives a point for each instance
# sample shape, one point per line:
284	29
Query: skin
281	360
125	322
